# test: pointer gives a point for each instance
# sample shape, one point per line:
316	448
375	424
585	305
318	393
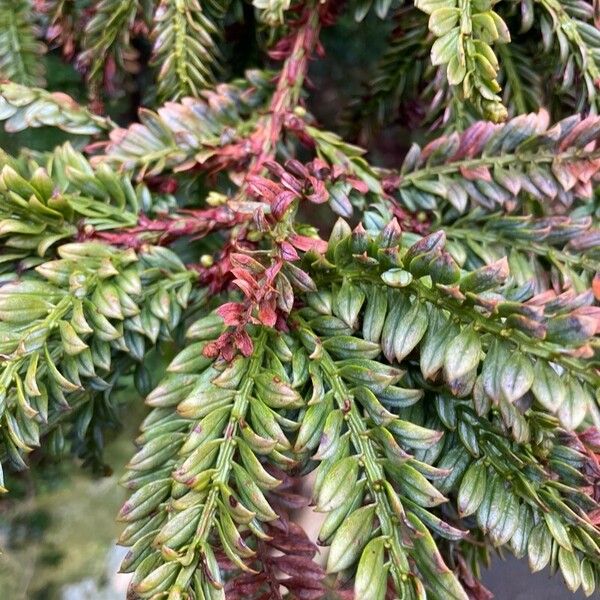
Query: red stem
194	223
289	85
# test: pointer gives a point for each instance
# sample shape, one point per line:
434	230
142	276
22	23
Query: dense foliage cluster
428	365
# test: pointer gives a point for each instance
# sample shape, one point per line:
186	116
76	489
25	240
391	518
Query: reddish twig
296	48
259	285
287	558
192	223
260	306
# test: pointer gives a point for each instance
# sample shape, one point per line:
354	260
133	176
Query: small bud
430	243
443	269
391	234
216	199
495	111
359	239
206	260
486	277
341	230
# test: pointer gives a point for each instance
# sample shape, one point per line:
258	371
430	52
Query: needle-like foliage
411	352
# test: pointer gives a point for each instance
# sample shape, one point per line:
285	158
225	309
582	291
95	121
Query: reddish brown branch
260	306
286	559
192	223
296	48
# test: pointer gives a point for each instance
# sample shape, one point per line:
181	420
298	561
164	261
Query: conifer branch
226	442
297	48
187	135
196	133
20	52
567	244
536	512
534	326
192	223
522	86
23	107
579	46
184	47
365	449
465	34
64	20
39	210
398	77
106	43
437	367
62	327
494	165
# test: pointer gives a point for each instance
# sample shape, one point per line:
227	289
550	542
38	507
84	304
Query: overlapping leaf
495	166
67	332
24	107
182	135
184	46
20	51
